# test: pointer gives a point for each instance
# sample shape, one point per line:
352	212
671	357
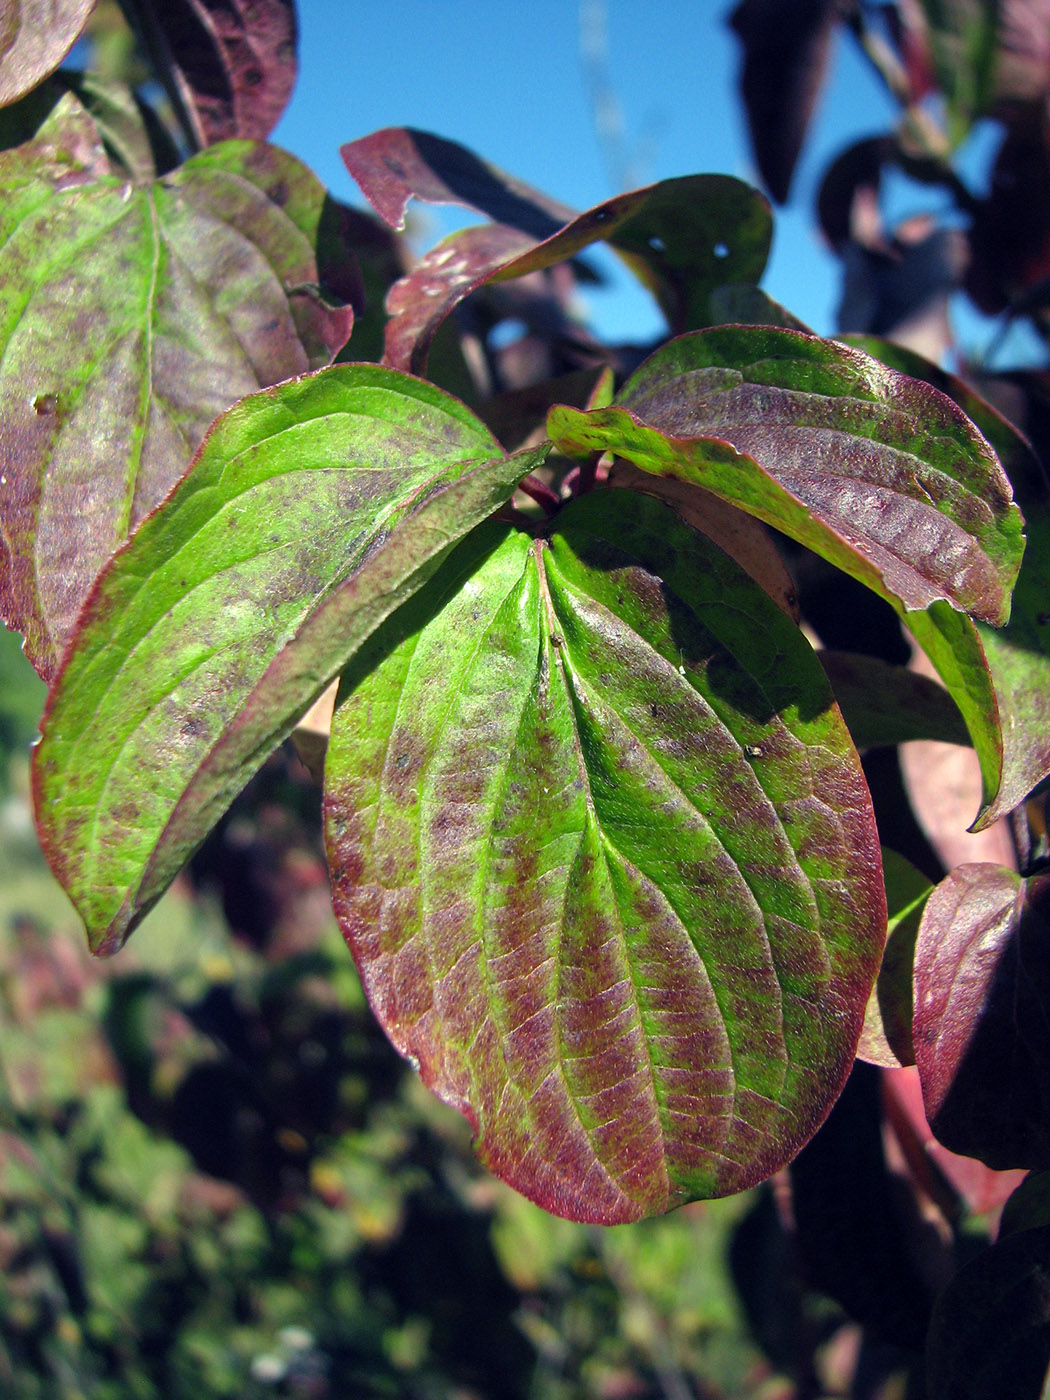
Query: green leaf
130	317
604	853
312	511
875	472
878	473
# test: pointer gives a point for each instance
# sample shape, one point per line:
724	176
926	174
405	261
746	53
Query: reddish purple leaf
855	174
982	1015
35	36
398	164
786	47
828	446
683	238
420	302
234	61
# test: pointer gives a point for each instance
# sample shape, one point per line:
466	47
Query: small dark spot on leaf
253	77
394	166
278	193
402	761
654	710
556	640
45	405
1043	618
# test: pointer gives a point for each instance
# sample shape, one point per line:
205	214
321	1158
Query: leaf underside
602	849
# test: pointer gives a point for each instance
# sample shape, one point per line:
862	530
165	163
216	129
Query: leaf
990	1332
959	1186
982	998
1009	237
786	48
849	191
312	511
129	318
741	536
886	1038
1018	655
136	141
875	472
1005	693
879	474
683	238
234	61
398	164
605	858
35	36
885	705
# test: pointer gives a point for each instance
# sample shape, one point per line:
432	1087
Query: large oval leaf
129	318
313	510
603	851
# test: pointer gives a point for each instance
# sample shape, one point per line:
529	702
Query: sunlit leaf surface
313	510
604	854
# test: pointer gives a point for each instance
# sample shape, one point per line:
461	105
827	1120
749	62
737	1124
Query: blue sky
508	81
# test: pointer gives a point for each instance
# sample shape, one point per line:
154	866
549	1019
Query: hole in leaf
721	250
506	333
657	244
